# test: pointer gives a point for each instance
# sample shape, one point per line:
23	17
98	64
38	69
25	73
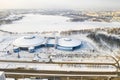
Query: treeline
83	31
114	31
105	39
5	22
6	31
9	21
108	30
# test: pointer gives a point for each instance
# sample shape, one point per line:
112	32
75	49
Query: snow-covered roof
51	41
28	41
68	42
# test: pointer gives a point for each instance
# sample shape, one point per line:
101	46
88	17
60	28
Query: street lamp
18	54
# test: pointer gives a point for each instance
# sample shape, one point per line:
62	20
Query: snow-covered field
41	23
88	52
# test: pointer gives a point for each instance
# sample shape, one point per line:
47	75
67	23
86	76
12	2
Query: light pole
18	54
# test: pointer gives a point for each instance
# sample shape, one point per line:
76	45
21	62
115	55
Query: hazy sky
70	4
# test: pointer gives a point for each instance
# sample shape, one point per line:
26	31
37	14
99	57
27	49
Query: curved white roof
68	42
28	41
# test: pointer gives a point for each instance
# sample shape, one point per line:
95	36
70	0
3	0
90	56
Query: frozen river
40	23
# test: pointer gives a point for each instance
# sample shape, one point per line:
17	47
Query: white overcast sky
70	4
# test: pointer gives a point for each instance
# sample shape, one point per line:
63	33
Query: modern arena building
69	44
30	43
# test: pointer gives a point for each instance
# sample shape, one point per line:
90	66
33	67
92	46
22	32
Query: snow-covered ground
85	50
89	52
41	23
